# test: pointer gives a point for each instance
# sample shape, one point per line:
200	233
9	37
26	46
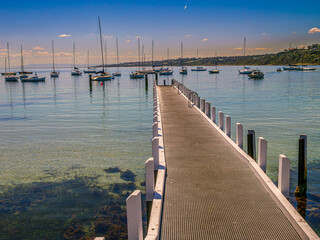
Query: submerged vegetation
73	209
309	55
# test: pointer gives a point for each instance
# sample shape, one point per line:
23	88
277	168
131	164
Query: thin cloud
64	35
205	39
128	40
264	34
314	30
238	48
294	32
260	49
42	53
188	35
137	37
38	48
92	34
63	54
108	37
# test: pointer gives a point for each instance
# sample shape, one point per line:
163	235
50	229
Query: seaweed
128	176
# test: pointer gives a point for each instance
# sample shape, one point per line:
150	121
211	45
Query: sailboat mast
22	68
139	52
88	59
105	52
8	56
181	54
74	55
53	68
244	47
101	45
5	64
142	56
117	54
152	53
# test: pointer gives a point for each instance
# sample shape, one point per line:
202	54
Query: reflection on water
61	138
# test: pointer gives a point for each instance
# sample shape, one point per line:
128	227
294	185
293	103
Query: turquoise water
58	140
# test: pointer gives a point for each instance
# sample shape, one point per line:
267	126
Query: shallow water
58	138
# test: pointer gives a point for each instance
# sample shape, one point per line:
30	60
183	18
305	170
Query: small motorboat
34	78
104	76
245	70
199	69
89	70
256	74
306	68
23	76
183	71
213	71
166	72
117	74
291	67
10	78
137	74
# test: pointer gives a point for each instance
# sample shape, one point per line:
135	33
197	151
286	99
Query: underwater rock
128	176
112	170
120	187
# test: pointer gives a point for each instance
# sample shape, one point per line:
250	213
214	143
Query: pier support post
164	82
202	105
134	216
149	167
228	125
207	109
301	189
157	79
155	118
155	152
146	81
262	153
251	143
284	175
155	132
220	114
213	114
90	82
239	135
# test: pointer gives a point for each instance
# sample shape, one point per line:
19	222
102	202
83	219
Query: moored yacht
199	69
34	78
76	71
256	74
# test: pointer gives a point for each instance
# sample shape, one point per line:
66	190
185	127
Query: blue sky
205	25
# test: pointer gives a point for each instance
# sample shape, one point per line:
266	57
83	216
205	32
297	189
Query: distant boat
183	70
245	70
10	78
102	75
89	69
291	67
22	73
137	74
256	74
53	74
75	71
198	69
34	78
212	71
306	68
118	73
166	72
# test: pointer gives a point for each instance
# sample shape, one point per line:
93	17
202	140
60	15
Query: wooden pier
212	188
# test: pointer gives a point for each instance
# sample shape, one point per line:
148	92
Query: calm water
58	140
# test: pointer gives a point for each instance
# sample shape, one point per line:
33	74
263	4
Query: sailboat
53	74
245	70
305	67
22	73
9	76
104	76
118	73
167	71
137	74
89	69
216	63
75	71
183	69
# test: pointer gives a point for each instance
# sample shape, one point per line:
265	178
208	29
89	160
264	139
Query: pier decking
210	191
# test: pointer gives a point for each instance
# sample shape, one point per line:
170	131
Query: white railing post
228	125
262	154
134	216
220	114
284	175
239	135
149	167
155	129
202	104
213	114
155	152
